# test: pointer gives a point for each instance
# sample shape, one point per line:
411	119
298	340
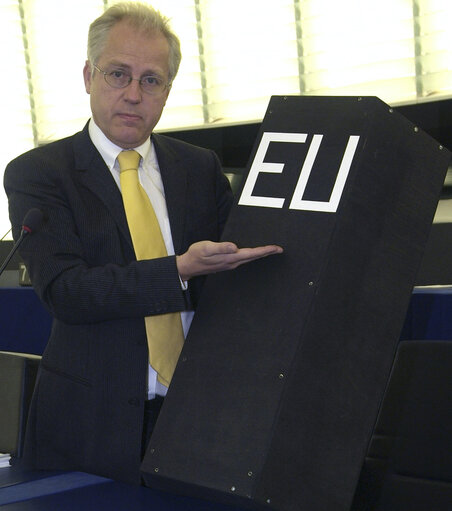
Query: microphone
31	223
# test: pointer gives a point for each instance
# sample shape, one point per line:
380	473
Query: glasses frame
131	78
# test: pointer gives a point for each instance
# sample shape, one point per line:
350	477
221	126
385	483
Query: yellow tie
164	331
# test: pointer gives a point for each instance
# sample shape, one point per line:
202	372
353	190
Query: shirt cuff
183	283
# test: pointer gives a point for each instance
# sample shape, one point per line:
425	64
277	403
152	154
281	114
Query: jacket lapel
94	174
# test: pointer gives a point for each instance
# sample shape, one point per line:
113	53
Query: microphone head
32	221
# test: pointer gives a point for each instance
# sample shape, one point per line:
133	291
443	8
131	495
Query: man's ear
87	76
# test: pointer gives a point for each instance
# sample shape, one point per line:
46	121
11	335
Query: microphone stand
23	233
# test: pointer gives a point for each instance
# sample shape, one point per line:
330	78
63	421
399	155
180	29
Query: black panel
279	383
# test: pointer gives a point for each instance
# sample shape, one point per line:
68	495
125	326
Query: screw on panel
310	283
232	488
156	469
441	147
250	473
281	376
416	129
391	110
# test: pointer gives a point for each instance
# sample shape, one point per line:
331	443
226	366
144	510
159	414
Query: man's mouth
129	117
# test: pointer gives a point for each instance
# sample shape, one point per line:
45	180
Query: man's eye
117	74
151	80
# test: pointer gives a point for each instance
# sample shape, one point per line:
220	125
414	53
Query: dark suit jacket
87	409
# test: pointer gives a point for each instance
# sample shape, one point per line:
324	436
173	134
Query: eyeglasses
119	79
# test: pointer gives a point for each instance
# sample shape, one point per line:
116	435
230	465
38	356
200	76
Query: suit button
134	401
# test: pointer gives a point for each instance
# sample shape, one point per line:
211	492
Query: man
96	378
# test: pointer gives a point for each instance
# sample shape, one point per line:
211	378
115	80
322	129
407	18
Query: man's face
128	116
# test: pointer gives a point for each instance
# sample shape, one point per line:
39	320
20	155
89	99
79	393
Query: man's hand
206	257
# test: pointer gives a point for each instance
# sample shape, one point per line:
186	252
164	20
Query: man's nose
133	92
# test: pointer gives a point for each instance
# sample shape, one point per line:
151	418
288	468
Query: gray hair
142	17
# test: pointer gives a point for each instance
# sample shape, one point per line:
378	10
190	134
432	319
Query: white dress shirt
151	180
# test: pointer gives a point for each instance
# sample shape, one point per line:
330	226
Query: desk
25	323
429	316
75	491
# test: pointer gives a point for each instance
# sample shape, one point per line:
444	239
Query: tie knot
128	160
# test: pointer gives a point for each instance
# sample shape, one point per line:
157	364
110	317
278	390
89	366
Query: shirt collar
109	151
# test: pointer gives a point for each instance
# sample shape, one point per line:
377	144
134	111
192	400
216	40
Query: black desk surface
429	316
77	491
25	323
